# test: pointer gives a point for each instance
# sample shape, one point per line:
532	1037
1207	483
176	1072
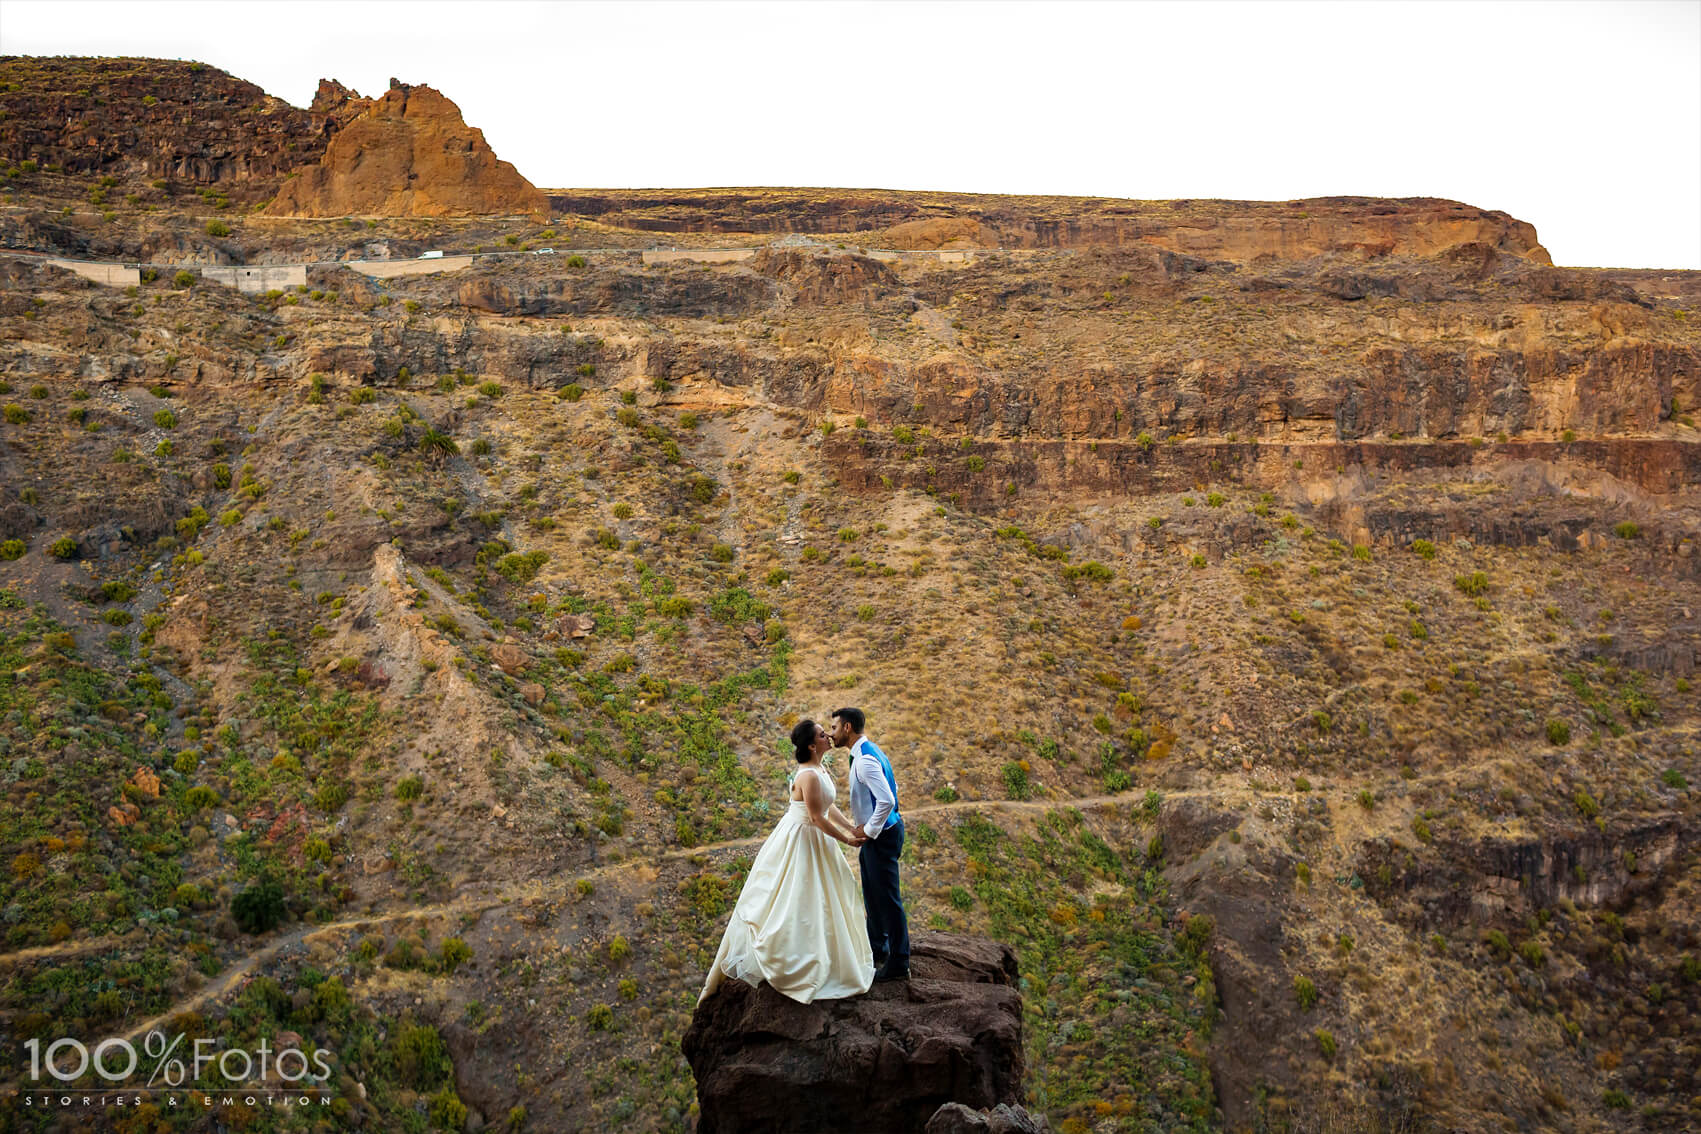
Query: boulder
886	1060
575	625
512	660
146	782
955	1118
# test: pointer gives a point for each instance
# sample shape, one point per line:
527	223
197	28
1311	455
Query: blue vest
885	766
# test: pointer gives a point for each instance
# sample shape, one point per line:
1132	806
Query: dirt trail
543	888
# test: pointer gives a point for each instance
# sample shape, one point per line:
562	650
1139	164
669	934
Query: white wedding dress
799	922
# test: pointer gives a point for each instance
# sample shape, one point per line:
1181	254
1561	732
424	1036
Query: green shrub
1092	569
1558	732
1471	585
946	794
448	1112
259	908
65	547
217	228
420	1057
13	549
1304	993
1325	1044
15	414
437	446
165	419
453	953
410	788
1016	781
184	278
572	392
1628	530
600	1018
736	605
200	795
1424	548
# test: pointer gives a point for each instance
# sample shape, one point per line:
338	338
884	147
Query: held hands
857	837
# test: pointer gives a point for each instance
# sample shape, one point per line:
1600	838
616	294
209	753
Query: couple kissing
795	924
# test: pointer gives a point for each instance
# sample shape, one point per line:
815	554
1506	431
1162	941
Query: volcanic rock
955	1118
408	153
887	1060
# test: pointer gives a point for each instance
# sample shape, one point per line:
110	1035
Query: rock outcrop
888	1060
955	1118
406	153
152	119
1241	231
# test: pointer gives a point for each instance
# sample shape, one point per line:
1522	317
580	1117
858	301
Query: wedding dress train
799	922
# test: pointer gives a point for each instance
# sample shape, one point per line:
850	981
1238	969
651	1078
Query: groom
874	809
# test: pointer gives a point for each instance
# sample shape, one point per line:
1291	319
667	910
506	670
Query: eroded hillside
1288	647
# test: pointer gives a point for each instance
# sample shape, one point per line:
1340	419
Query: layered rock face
1224	230
152	119
406	153
888	1060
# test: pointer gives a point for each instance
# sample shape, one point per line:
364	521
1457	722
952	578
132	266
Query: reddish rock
890	1058
152	119
575	625
532	692
406	153
510	658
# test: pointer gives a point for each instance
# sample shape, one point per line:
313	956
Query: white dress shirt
871	796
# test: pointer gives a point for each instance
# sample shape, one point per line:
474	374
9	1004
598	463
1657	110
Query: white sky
1582	118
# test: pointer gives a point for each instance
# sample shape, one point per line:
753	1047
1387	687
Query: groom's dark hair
853	717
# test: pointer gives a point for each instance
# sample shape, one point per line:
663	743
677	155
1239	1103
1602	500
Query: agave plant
437	446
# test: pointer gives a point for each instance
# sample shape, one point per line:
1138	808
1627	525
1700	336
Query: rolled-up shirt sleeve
868	771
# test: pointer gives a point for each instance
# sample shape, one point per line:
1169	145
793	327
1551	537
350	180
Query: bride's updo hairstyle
801	738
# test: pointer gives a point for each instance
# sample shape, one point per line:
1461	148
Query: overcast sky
1582	118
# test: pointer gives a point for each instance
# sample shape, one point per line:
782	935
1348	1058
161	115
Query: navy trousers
888	928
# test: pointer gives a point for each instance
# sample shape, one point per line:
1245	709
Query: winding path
240	969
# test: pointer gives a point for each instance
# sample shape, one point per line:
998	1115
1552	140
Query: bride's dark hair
801	738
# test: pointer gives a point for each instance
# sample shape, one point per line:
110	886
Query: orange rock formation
408	153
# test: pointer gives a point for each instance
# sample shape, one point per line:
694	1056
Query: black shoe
889	971
879	961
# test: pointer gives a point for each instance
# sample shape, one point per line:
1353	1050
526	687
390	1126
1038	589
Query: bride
799	922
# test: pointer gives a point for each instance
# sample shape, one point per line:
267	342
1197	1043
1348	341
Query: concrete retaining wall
113	275
268	277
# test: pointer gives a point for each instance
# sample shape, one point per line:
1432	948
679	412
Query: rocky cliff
1218	230
885	1061
146	120
406	153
